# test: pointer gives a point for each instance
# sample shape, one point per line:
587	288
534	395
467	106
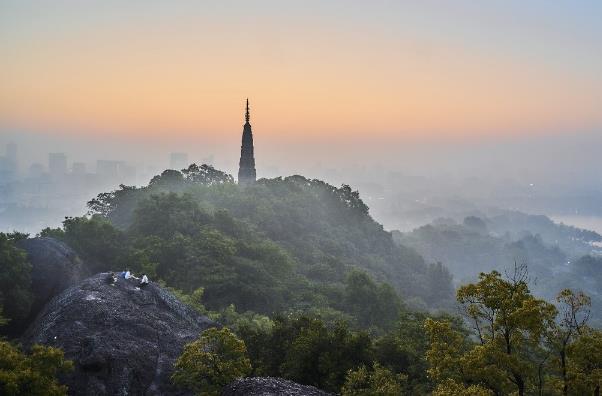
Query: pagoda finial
247	113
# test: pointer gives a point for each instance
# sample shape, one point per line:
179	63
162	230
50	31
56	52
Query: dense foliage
15	280
522	345
377	381
281	245
330	355
211	362
32	374
514	343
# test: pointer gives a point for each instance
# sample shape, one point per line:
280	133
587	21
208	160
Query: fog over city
406	183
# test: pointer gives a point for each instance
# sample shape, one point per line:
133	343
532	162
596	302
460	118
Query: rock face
269	386
55	267
123	339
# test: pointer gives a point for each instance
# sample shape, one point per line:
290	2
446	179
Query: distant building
116	170
107	168
127	173
178	161
36	170
57	164
246	171
79	168
8	164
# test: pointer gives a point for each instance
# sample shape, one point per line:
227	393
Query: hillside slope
281	244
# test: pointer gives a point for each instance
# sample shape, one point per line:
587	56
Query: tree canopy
214	360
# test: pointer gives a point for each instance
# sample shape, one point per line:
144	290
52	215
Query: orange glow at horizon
313	82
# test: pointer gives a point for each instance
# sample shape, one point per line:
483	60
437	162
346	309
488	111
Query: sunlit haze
312	68
347	91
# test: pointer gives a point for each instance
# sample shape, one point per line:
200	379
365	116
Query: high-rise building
108	168
78	168
36	170
8	164
57	164
246	171
178	161
116	171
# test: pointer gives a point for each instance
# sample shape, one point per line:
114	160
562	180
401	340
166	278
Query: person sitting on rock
144	280
112	278
127	274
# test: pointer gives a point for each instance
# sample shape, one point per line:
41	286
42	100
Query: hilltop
284	244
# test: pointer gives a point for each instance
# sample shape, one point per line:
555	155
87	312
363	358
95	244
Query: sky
439	99
314	70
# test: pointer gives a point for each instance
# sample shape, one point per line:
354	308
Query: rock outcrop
123	339
55	267
269	386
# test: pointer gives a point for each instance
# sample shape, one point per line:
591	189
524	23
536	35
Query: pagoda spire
246	169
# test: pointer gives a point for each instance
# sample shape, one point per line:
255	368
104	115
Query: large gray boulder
270	386
123	339
54	268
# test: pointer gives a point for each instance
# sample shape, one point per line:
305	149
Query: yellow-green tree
509	323
379	381
584	363
449	387
214	360
571	326
32	374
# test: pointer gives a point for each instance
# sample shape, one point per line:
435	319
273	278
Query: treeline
507	343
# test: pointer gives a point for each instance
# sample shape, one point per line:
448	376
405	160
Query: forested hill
281	244
557	256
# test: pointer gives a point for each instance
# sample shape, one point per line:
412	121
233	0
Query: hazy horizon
497	104
337	69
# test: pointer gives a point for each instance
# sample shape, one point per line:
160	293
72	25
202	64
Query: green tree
584	363
116	205
379	381
15	279
94	238
32	374
214	360
370	303
439	284
165	214
207	175
510	323
447	346
449	387
169	180
307	350
574	314
404	349
321	356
